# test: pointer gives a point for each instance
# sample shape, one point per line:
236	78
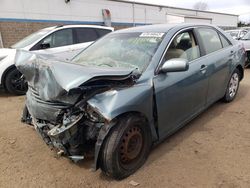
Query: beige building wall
19	18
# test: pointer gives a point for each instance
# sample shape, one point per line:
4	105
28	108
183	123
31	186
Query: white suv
63	42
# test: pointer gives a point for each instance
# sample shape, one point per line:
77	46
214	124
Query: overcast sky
240	7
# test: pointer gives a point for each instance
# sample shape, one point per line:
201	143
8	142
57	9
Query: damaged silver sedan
129	90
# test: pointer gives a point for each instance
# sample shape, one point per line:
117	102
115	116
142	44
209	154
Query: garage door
175	19
198	20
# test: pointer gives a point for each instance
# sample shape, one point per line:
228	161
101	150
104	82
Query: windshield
121	50
31	38
246	36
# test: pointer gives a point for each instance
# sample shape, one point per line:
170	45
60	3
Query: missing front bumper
66	141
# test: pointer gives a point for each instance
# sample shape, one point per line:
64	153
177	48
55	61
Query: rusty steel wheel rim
131	145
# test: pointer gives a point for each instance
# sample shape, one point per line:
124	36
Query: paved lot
211	151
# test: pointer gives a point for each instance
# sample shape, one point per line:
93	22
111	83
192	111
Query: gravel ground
211	151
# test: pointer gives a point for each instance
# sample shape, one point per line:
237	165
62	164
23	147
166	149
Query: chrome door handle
203	67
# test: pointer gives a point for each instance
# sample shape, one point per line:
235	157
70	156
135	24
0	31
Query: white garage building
25	16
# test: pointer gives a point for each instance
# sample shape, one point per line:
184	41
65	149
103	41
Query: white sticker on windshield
154	35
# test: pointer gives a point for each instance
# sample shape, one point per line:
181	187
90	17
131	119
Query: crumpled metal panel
52	78
114	102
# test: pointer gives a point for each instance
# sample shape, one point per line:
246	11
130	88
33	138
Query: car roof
160	27
84	26
58	27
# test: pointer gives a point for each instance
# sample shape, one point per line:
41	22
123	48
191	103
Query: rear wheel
15	82
232	87
126	147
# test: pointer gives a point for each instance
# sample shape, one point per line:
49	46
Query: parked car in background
129	91
61	42
246	42
237	33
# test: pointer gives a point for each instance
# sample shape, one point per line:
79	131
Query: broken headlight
94	115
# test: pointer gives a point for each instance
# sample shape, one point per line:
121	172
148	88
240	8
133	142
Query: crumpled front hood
6	51
52	79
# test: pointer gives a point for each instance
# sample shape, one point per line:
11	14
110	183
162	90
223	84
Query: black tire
116	160
230	95
15	83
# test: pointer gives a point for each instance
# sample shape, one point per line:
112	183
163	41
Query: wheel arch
5	74
241	69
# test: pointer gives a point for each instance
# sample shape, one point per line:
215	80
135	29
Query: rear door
180	95
218	53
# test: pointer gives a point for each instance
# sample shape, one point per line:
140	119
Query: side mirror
44	45
175	65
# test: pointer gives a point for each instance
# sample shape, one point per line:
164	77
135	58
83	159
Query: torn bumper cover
57	101
67	128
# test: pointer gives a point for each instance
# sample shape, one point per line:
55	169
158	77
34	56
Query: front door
180	95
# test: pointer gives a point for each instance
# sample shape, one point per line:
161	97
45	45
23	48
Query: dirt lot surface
211	151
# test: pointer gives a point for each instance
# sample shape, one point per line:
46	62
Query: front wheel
232	87
126	147
15	82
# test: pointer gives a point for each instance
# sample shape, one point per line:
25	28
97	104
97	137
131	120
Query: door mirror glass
175	65
45	45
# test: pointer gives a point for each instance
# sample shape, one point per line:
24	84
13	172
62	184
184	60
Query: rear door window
85	35
224	41
210	40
